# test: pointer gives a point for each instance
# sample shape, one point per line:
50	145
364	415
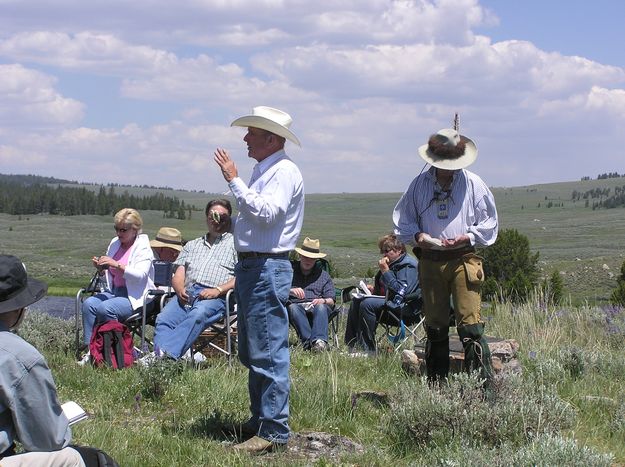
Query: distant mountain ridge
31	179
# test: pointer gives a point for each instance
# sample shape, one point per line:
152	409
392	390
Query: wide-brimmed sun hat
167	237
270	119
310	249
17	290
449	150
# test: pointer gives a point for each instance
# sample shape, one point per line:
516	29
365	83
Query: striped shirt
469	209
206	264
271	209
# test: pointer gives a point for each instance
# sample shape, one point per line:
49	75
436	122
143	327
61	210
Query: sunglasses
120	229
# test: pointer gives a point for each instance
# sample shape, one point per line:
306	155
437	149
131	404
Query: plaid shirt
208	265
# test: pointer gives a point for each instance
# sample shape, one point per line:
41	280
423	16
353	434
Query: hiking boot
258	445
319	346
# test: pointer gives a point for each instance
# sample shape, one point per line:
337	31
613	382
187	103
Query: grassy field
571	238
566	408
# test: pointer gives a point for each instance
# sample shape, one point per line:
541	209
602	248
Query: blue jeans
105	306
362	321
310	325
177	327
262	290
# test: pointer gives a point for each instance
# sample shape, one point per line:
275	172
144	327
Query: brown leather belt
442	255
255	254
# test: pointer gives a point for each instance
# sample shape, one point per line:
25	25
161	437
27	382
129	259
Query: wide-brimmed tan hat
167	237
17	290
310	249
270	119
442	150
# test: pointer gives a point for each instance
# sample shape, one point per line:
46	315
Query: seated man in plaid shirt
204	272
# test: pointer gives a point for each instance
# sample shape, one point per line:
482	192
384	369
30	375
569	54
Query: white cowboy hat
443	152
167	237
310	249
270	119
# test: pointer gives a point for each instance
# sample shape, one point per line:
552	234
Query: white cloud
28	97
365	80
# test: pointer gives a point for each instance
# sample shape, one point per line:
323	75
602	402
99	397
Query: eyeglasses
120	229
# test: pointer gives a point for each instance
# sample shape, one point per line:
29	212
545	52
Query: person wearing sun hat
268	223
167	244
445	213
312	297
30	411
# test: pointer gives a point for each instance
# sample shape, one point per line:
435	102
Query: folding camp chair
399	329
222	332
335	311
146	315
153	302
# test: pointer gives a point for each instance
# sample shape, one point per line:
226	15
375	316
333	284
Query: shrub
156	378
618	295
510	267
553	289
522	409
46	332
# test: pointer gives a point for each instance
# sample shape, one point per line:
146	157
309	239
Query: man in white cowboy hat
445	213
312	297
30	411
271	212
167	244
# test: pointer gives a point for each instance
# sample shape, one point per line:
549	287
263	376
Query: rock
314	446
503	352
605	267
412	364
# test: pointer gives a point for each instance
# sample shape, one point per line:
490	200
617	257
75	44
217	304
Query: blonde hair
129	216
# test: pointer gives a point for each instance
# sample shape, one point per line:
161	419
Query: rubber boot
437	354
476	351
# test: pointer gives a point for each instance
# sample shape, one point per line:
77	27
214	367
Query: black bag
97	284
94	457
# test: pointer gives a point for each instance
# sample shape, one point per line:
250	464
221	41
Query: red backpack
111	345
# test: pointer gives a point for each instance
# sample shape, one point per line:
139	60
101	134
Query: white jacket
139	272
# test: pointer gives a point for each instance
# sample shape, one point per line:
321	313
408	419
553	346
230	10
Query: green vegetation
565	408
618	294
511	270
586	246
28	195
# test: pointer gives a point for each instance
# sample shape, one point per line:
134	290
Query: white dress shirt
271	209
469	208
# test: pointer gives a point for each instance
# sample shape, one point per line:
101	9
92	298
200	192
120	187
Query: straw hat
444	150
167	237
17	290
310	249
270	119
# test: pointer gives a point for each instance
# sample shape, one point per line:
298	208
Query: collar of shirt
262	166
217	240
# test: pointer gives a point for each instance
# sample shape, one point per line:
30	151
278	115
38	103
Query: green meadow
566	407
586	246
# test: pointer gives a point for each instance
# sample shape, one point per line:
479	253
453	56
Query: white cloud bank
366	82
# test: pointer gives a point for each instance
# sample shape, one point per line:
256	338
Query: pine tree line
32	197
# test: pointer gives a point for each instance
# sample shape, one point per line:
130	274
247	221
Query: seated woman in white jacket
129	274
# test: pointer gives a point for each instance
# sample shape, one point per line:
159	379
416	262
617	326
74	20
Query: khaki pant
442	279
66	457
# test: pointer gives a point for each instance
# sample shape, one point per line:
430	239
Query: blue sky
143	92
